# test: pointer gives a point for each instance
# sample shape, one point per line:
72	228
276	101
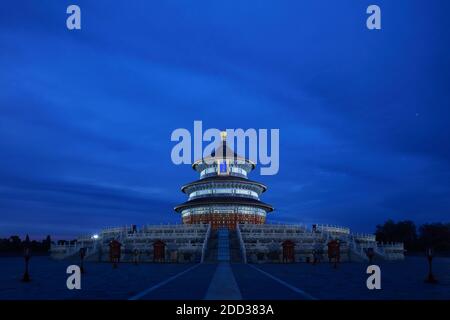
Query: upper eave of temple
222	152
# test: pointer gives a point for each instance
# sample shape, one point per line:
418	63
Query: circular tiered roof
222	152
223	184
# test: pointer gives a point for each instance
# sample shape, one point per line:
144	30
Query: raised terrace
254	243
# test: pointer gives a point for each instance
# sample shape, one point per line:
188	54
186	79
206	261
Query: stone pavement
399	280
223	285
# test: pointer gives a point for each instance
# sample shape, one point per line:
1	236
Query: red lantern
334	252
370	253
114	252
288	251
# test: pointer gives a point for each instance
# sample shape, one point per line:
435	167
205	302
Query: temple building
224	219
224	195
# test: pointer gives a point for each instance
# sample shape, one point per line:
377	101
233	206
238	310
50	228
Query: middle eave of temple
229	178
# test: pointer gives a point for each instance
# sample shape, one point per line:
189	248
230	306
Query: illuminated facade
223	196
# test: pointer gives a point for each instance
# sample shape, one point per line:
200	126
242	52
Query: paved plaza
399	280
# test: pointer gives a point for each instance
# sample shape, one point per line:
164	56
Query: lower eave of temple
223	200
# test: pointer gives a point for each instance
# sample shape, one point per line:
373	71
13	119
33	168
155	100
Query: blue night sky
86	116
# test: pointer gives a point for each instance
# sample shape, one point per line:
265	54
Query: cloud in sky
86	117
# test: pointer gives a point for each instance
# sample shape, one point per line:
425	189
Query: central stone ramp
223	285
223	248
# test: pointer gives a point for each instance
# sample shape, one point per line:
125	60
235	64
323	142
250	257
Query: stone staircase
236	255
211	250
223	245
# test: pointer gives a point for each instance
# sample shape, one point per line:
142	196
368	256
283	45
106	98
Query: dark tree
46	243
14	245
435	235
402	231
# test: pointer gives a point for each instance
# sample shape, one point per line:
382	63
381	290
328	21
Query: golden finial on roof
223	135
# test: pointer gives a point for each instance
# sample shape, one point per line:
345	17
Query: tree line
15	245
429	235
